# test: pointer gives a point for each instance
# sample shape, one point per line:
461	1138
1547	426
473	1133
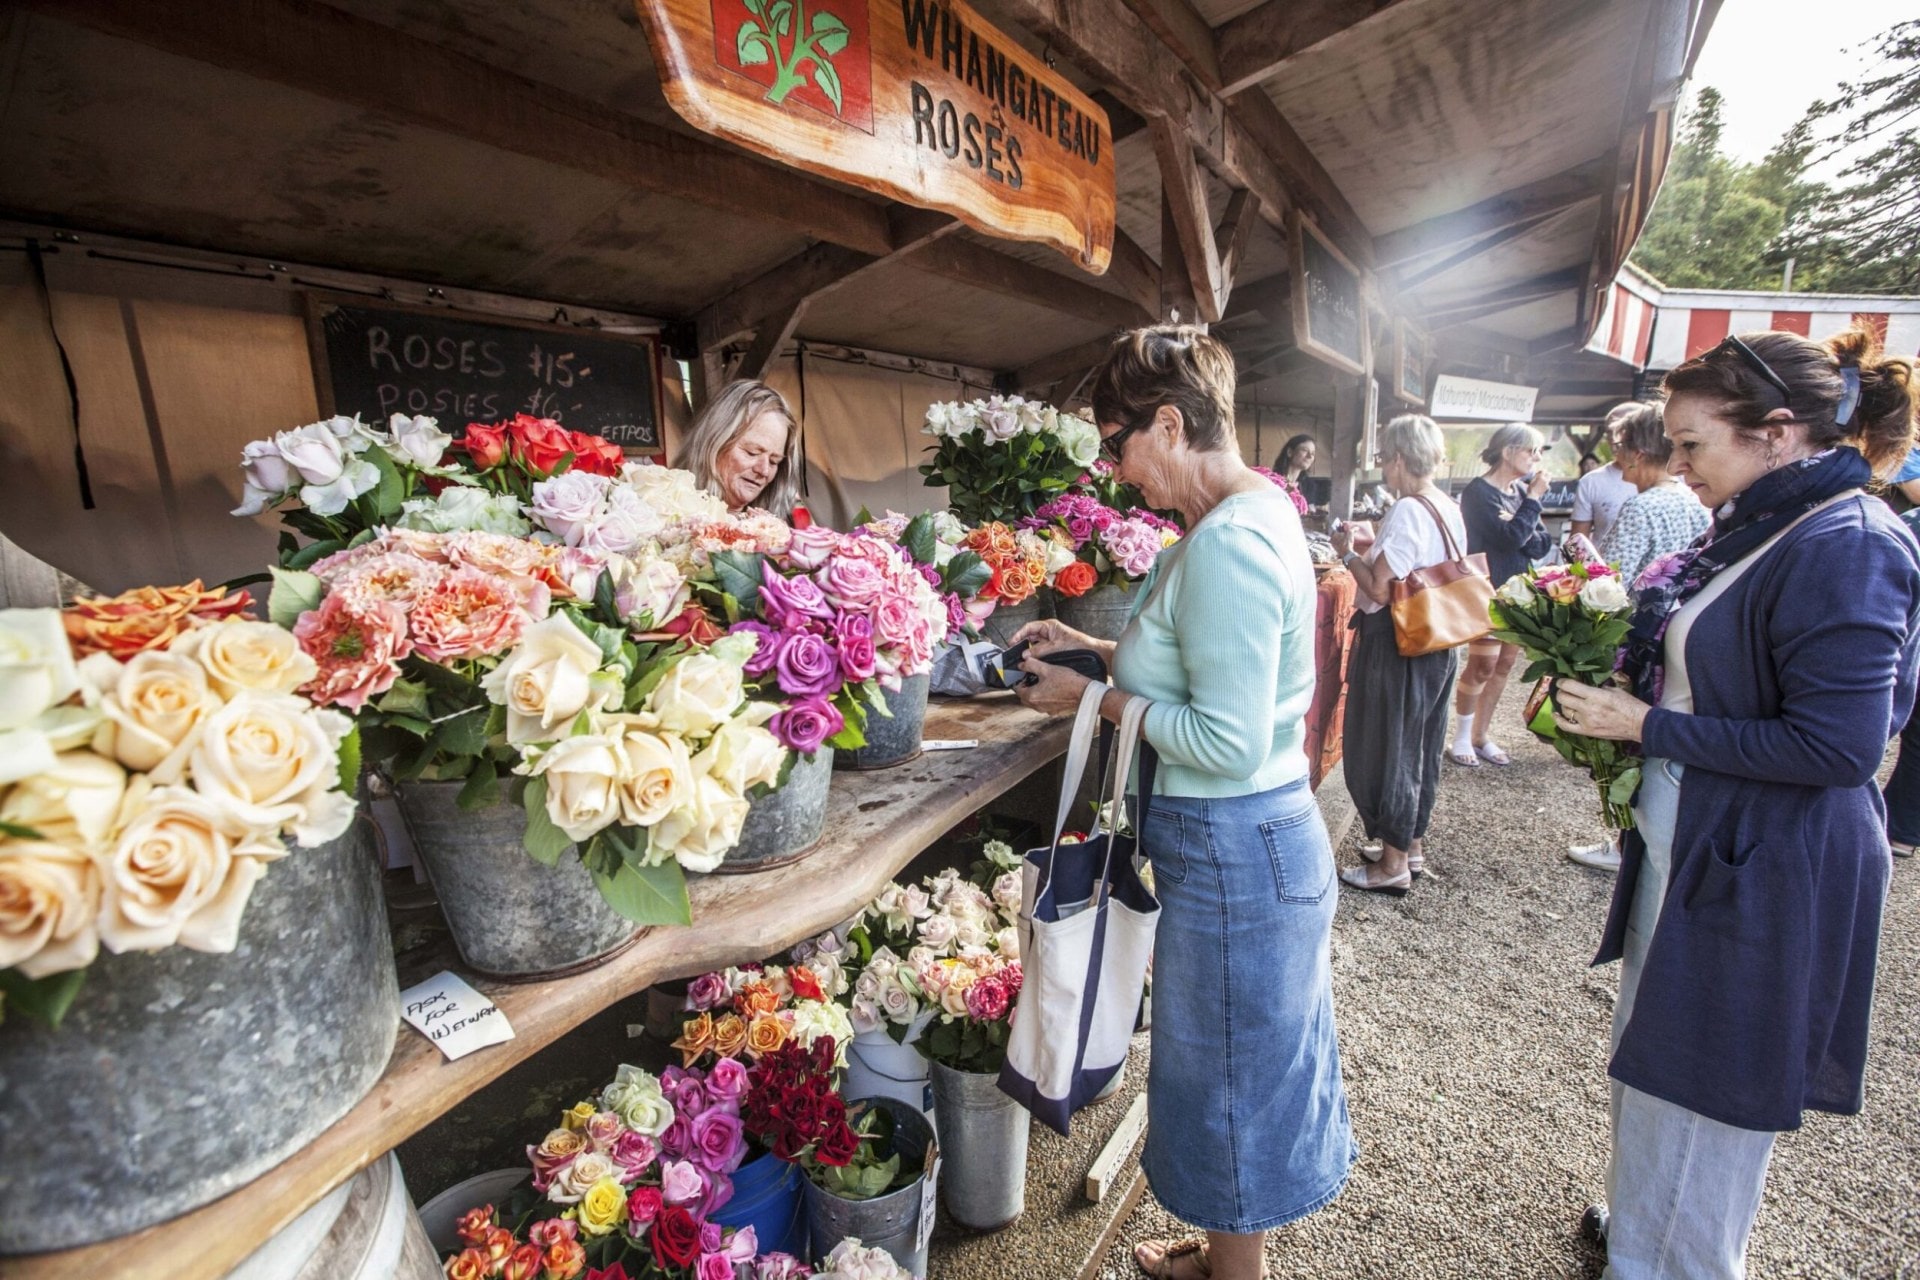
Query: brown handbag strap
1446	534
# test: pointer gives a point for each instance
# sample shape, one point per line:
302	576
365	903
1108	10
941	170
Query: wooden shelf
877	822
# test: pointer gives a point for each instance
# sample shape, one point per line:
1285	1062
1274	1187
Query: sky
1745	58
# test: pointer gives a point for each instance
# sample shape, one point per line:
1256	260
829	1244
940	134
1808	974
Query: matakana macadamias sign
919	100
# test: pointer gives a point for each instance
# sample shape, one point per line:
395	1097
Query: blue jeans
1682	1190
1902	792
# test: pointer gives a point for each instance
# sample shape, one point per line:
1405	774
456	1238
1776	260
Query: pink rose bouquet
1091	545
933	541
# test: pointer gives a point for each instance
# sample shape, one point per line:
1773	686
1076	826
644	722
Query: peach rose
49	899
178	873
76	802
729	1035
765	1034
468	1264
155	706
756	998
271	762
696	1038
243	654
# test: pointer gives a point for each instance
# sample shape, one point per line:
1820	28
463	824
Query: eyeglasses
1752	360
1116	444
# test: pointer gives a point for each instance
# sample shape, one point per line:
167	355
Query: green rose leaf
350	761
919	539
544	841
462	734
295	591
43	999
647	895
738	574
482	788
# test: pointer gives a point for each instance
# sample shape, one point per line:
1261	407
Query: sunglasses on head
1751	358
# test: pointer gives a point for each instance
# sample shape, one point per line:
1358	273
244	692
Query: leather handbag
1442	605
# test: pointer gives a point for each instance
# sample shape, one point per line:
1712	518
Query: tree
1863	235
1716	221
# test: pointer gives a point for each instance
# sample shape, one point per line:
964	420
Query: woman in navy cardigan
1769	664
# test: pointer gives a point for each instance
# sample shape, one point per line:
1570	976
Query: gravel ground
1473	1037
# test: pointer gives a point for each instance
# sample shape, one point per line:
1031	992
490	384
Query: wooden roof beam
306	45
1048	370
1508	297
1244	139
1460	257
1252	47
1186	202
1553	194
970	263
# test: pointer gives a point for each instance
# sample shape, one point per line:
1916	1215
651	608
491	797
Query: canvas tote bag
1086	932
1442	605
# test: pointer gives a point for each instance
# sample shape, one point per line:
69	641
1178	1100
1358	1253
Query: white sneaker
1604	856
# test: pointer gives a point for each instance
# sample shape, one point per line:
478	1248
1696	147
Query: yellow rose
547	680
742	756
657	776
700	830
177	873
244	654
583	783
765	1034
36	665
76	802
271	762
575	1120
155	706
699	693
603	1208
49	898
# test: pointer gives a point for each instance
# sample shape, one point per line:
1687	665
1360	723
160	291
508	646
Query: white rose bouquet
1571	619
1001	457
156	756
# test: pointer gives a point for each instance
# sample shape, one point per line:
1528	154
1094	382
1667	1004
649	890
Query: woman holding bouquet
1502	513
1396	725
1248	1124
741	448
1764	686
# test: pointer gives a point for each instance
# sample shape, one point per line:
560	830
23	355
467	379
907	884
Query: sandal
1358	878
1416	862
1169	1253
1493	753
1465	759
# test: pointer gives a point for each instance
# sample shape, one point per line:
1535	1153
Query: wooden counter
876	824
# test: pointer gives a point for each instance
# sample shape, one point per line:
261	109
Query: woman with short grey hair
1396	721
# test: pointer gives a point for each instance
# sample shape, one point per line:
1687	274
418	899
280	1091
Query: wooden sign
1410	353
377	359
920	100
1329	307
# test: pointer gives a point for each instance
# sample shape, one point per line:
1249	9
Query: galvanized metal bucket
1009	618
878	1067
783	826
896	739
891	1221
983	1141
1102	613
511	917
179	1076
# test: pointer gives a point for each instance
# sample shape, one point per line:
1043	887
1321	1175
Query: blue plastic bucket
767	1197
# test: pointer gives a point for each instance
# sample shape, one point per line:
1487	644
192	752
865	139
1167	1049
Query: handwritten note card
454	1016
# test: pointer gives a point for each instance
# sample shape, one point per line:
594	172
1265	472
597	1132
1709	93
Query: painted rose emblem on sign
814	53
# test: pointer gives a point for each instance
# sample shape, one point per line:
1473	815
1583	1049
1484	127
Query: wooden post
1349	426
1176	287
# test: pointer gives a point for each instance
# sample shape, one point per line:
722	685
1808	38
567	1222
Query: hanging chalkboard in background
1329	310
377	359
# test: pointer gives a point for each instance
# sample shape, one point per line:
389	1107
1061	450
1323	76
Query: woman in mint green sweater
1247	1121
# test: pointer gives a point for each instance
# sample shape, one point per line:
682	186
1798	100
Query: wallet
1002	670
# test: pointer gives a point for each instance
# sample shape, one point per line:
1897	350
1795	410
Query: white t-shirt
1599	496
1410	540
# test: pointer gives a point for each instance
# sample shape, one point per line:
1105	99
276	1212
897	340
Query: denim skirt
1247	1124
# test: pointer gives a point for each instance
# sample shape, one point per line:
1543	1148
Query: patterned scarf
1740	527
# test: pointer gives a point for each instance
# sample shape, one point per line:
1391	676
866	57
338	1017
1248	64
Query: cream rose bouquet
1001	457
1571	619
156	755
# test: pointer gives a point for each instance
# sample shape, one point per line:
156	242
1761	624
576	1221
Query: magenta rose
987	1000
788	602
710	989
856	658
806	665
677	1141
681	1182
719	1191
728	1082
711	1234
714	1266
718	1143
643	1206
633	1154
803	725
756	666
853	583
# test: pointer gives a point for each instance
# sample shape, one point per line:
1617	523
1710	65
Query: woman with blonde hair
1247	1119
741	447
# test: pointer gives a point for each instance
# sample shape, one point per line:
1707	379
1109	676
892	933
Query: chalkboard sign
1329	313
1409	363
376	360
